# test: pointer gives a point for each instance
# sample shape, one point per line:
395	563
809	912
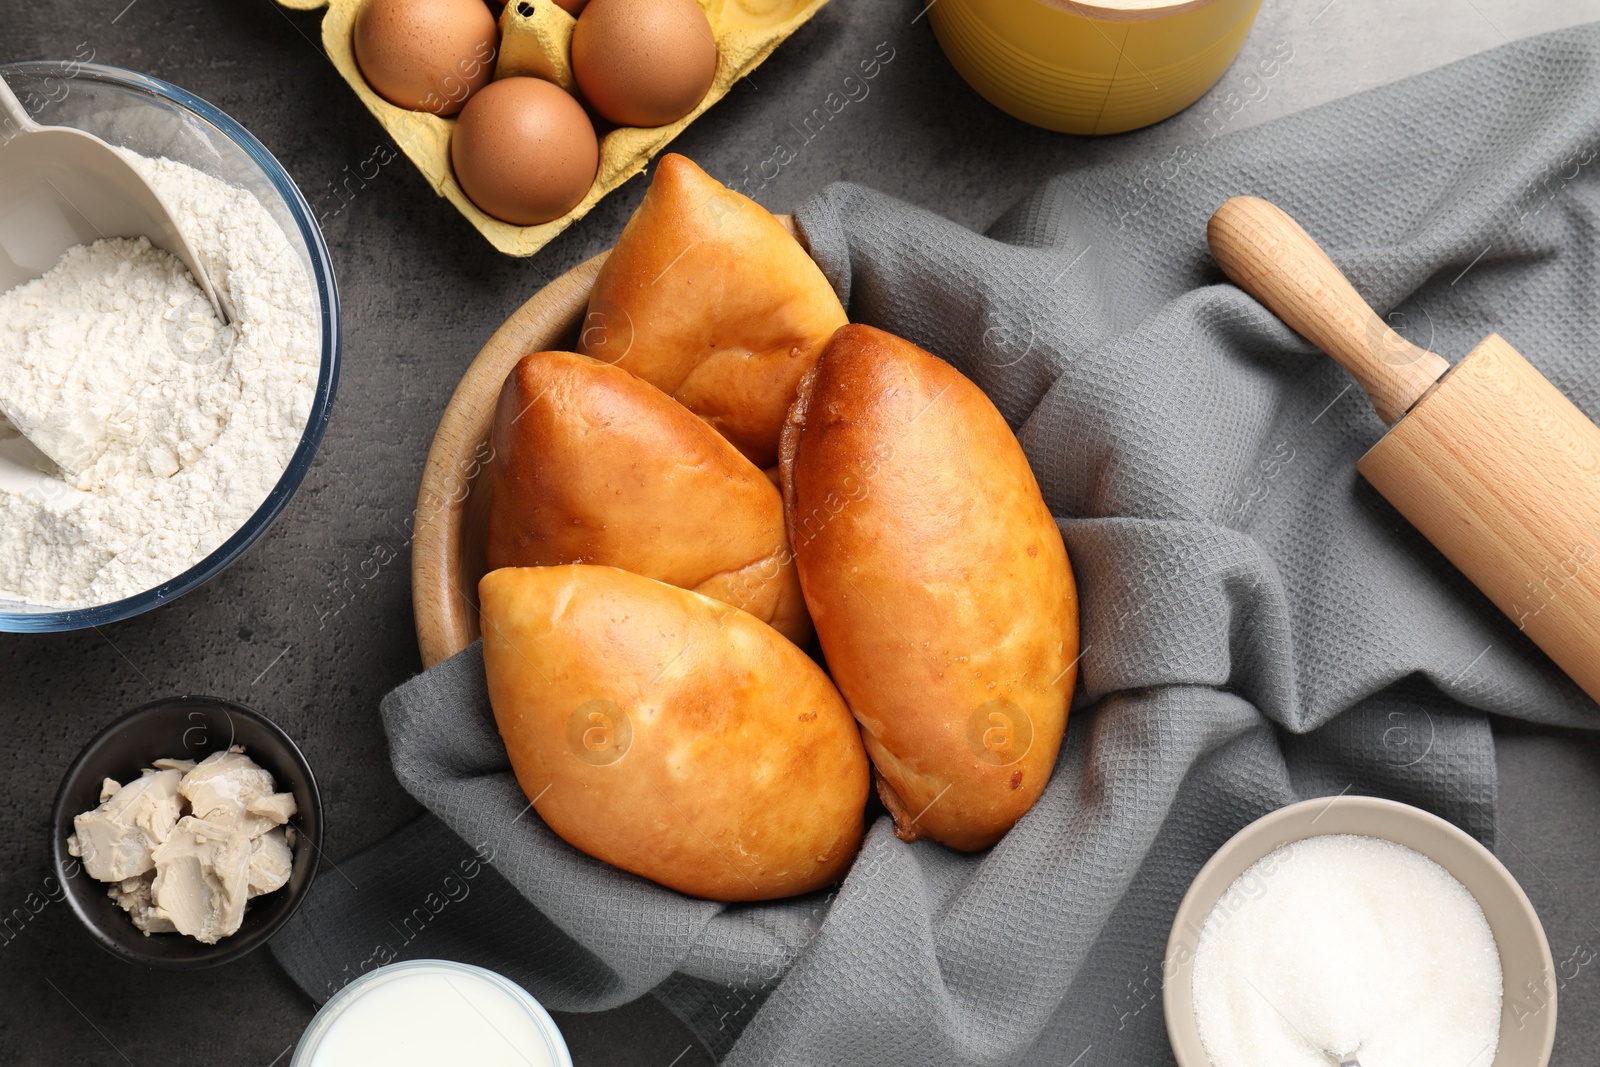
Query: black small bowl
185	728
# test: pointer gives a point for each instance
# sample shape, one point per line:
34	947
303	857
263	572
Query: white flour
167	430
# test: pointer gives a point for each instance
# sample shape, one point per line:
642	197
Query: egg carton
535	37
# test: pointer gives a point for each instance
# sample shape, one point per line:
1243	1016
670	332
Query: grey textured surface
314	625
1258	626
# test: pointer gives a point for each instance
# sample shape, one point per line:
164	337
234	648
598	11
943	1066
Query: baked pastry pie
593	465
657	730
937	581
707	297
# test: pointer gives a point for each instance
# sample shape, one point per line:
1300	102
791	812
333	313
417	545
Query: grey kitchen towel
1259	626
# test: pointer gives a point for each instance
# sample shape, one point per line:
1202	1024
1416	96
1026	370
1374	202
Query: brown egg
524	151
572	7
643	62
426	55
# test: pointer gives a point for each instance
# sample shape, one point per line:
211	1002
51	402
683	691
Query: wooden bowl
448	533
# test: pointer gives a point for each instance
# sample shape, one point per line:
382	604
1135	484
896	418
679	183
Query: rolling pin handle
1265	252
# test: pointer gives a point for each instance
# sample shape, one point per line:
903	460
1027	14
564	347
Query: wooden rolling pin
1489	460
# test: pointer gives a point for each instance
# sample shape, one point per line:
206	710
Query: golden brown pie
937	581
709	298
593	465
664	733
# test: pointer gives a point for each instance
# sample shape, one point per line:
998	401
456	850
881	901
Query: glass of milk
422	1013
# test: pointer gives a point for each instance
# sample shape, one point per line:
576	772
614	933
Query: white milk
428	1012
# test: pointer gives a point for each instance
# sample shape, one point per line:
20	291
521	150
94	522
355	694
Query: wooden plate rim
445	612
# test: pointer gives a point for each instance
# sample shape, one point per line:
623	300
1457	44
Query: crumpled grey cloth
1259	626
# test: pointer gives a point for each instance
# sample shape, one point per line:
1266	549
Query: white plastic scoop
61	187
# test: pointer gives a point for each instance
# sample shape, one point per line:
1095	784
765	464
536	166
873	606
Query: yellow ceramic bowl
1092	67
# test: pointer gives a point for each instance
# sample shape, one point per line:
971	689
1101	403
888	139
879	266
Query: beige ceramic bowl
1528	1014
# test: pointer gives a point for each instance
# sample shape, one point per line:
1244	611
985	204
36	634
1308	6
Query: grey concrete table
314	625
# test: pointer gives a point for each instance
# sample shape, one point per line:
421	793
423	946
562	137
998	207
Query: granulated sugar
158	431
1347	944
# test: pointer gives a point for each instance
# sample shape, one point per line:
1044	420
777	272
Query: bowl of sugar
146	442
1356	930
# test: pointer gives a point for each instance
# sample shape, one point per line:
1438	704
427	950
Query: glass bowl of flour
145	444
